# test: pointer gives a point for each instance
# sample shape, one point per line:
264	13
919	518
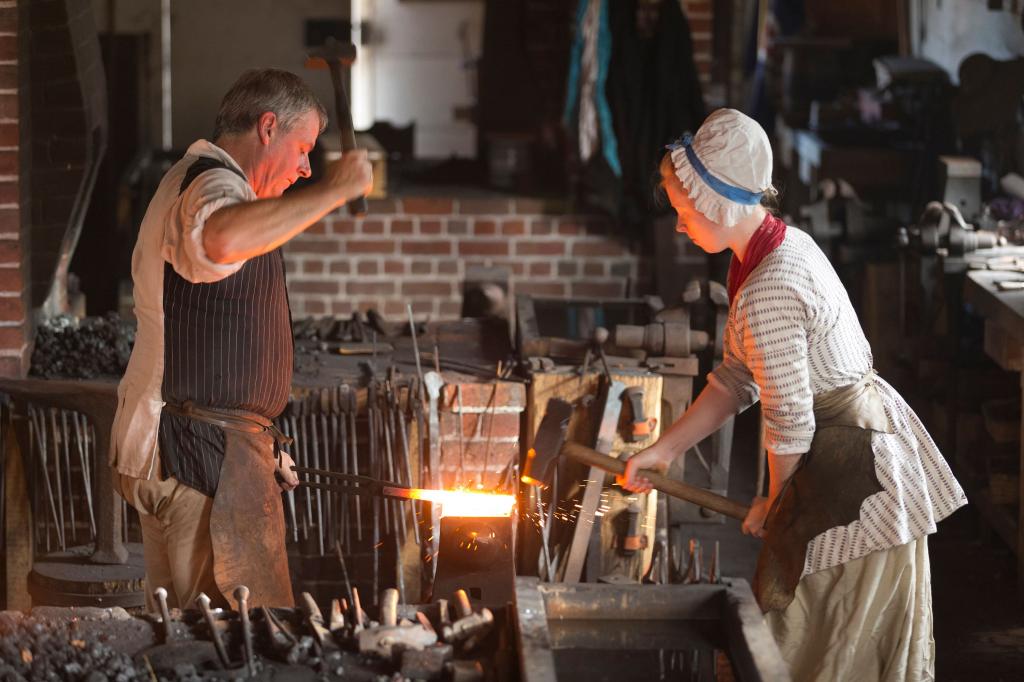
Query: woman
856	483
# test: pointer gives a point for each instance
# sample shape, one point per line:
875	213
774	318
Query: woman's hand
754	523
655	458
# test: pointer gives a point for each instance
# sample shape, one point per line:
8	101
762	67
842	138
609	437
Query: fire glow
460	502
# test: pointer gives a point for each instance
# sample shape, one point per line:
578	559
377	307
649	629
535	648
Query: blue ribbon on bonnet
730	192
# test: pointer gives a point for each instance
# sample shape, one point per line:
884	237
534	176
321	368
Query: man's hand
754	523
350	176
286	478
655	458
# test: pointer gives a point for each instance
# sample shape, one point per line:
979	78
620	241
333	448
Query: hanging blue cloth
609	144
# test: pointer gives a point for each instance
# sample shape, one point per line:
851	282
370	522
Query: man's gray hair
258	91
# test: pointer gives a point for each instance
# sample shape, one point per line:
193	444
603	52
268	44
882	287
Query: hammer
333	55
689	493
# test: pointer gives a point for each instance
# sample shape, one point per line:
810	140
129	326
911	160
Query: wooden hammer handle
698	496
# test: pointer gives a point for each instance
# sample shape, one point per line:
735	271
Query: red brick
567	268
447	267
535	206
394	267
9	163
552	248
422	307
451	310
701	46
430	227
12	367
340	267
593	269
426	288
458	227
394	308
372	227
517	268
370	246
381	206
313	267
401	226
314	307
317	228
598	289
12	338
427	206
10	249
543	226
313	286
510	394
484	206
343	227
570	228
8	76
471	458
513	227
367	267
8	47
9	135
12	309
371	288
9	20
700	25
540	288
469	247
435	247
540	269
497	425
11	279
8	106
604	247
342	308
485	227
10	220
317	246
421	267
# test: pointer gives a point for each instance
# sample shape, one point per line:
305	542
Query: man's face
285	157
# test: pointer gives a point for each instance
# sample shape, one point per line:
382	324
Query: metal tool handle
698	496
356	207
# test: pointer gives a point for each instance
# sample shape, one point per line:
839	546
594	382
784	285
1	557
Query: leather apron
247	529
831	482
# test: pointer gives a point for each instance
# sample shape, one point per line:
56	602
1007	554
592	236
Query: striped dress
792	333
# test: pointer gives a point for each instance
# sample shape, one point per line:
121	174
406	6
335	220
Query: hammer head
547	442
332	51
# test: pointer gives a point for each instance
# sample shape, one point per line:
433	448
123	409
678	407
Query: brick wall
68	109
416	250
700	14
489	440
14	292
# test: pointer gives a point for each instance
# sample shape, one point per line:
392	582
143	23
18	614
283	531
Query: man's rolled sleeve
183	236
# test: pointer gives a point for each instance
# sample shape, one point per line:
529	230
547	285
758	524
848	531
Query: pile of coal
71	348
43	649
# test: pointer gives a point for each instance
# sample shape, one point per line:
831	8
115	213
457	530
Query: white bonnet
737	166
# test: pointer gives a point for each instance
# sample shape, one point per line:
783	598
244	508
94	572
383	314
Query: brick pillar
15	325
700	14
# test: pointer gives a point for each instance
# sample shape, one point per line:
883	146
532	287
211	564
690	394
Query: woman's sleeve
775	346
732	375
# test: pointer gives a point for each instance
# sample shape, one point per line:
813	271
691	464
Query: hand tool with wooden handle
698	496
333	55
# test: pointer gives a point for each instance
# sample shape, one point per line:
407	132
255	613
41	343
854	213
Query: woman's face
707	235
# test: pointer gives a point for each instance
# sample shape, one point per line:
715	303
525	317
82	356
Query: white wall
412	71
213	42
946	31
417	71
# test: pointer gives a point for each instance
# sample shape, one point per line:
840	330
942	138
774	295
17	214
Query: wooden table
1004	340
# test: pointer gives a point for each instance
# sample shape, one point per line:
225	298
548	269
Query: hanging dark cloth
653	90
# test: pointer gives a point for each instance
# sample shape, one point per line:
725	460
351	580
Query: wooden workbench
1004	340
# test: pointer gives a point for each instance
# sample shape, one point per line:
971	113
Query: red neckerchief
764	240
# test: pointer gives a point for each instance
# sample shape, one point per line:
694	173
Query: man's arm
245	230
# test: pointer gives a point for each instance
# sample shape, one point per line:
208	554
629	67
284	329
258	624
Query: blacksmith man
193	445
